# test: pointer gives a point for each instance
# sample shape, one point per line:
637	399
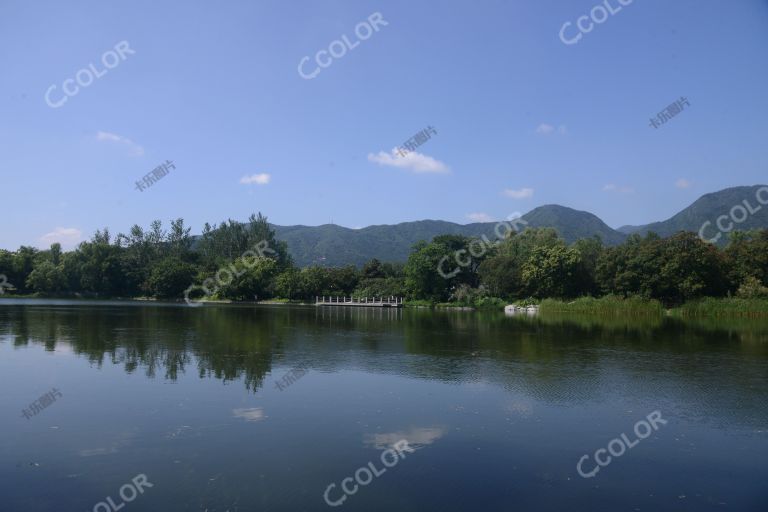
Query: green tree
138	256
47	278
178	240
551	271
502	271
314	281
747	256
434	269
170	277
690	268
381	287
55	253
22	264
228	241
502	276
590	250
99	266
288	284
632	268
372	269
342	280
256	281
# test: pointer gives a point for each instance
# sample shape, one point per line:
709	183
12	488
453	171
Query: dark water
496	411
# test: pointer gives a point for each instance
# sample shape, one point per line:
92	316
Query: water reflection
417	437
188	395
550	357
252	414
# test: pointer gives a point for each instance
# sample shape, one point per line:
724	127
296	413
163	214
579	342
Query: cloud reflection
253	414
416	437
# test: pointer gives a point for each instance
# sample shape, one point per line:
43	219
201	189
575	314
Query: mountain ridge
334	245
708	208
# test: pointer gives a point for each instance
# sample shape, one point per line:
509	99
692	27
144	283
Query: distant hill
331	245
708	208
573	224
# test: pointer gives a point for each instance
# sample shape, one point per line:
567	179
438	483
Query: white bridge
372	302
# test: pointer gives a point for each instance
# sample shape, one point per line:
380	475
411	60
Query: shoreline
707	307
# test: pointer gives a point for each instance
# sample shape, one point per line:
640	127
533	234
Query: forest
530	265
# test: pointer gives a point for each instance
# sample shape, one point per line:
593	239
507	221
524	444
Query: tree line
535	263
162	263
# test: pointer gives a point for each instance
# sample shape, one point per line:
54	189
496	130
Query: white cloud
523	193
480	217
683	183
620	189
412	161
67	237
133	148
416	437
108	136
548	129
258	179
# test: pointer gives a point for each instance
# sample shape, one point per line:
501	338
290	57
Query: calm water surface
498	410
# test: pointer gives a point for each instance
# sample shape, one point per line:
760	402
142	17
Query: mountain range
711	206
332	245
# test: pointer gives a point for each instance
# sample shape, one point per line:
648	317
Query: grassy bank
484	303
705	308
724	308
604	306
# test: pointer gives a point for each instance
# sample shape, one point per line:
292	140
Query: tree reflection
551	358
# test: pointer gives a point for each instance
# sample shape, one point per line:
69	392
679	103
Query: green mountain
331	245
711	206
572	224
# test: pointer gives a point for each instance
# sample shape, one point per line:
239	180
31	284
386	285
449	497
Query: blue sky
522	119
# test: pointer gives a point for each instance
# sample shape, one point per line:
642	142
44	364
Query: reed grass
724	308
609	305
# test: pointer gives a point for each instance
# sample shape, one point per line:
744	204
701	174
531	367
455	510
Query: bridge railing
332	299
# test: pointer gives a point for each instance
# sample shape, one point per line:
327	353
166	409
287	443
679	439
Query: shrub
752	288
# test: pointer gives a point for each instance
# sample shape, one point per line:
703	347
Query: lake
145	406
